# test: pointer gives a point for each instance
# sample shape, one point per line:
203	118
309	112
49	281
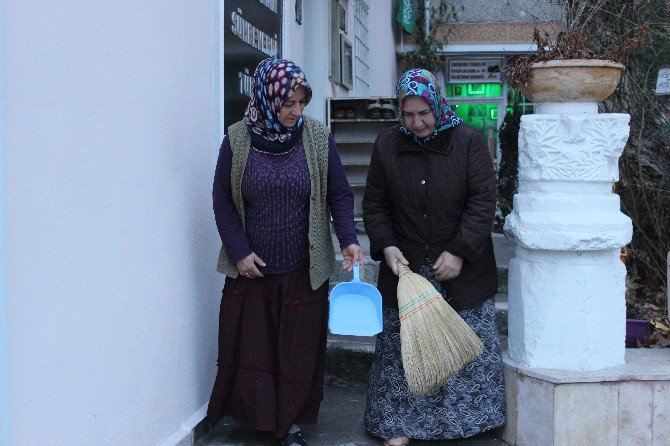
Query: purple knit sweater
276	192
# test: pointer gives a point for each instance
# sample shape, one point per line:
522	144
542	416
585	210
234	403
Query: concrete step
357	345
365	345
370	273
501	313
503	248
348	358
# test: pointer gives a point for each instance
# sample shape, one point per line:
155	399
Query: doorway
481	106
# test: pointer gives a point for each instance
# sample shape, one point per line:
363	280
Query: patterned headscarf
420	82
275	80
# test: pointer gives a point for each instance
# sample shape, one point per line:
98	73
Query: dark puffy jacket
429	199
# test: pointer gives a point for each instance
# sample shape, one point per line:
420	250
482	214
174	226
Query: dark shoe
374	110
350	113
294	439
339	113
388	109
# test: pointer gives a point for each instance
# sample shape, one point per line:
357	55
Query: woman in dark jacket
429	203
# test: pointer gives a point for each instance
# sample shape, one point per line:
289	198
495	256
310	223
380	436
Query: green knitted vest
321	250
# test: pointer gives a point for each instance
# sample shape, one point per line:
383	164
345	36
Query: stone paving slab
642	364
623	405
341	416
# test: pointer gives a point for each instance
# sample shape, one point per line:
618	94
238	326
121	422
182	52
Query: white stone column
566	281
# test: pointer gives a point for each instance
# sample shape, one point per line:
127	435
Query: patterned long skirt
272	351
470	402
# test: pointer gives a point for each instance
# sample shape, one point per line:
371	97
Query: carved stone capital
579	147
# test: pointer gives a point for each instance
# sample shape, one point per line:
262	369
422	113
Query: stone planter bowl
572	80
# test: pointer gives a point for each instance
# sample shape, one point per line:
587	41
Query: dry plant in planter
549	75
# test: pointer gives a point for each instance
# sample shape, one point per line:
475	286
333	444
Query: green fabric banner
406	15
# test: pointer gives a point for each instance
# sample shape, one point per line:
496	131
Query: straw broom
435	341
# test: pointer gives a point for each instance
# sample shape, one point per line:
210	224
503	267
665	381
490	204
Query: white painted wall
110	146
316	49
292	35
309	46
382	52
4	329
382	49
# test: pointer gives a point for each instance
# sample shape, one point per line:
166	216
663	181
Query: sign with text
663	81
252	32
474	70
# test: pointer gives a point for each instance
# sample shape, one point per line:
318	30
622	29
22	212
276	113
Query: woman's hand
352	254
447	266
247	266
393	256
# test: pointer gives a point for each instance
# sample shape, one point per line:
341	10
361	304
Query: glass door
483	117
480	106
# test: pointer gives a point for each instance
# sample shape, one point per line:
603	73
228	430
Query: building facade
111	115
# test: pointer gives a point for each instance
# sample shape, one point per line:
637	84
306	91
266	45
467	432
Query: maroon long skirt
272	351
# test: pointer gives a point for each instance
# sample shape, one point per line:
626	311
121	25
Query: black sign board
252	32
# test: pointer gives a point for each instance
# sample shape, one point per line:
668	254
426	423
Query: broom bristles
435	341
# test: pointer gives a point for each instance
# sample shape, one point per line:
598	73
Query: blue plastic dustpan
355	308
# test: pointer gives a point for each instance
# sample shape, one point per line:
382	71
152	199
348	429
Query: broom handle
356	273
403	269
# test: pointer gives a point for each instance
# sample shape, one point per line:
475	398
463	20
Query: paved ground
503	248
341	416
340	424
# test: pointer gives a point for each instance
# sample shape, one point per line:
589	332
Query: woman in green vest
278	182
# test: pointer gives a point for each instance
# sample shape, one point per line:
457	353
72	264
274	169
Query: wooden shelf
356	163
363	100
363	120
354	142
355	138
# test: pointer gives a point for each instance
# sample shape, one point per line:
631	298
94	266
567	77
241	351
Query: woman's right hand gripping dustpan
355	308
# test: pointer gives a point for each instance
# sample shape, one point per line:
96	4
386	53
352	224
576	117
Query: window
516	102
298	11
479	105
346	62
469	91
362	49
336	15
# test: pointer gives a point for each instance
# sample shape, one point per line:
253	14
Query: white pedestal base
566	282
569	309
625	405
